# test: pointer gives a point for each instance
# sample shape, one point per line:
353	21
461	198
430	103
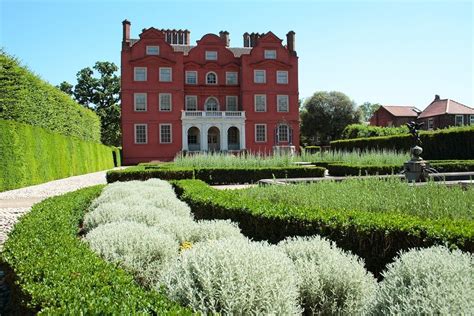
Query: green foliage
326	114
433	281
452	143
62	275
245	161
30	155
332	282
214	175
234	277
363	130
359	157
374	219
367	109
25	98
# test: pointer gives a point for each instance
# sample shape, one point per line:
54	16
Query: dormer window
270	54
211	55
153	50
211	78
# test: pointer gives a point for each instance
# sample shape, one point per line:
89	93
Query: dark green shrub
30	155
25	98
62	275
452	143
362	130
376	237
213	175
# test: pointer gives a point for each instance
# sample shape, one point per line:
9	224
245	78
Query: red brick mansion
207	97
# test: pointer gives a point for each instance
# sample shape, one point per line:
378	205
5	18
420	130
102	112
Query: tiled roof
445	106
401	110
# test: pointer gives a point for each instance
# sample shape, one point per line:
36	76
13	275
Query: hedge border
377	239
62	275
214	175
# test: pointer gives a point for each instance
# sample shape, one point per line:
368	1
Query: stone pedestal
416	170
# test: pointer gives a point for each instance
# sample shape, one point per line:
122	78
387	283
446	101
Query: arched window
212	104
283	133
211	78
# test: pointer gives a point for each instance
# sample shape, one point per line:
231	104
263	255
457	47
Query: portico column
203	132
242	136
185	137
223	132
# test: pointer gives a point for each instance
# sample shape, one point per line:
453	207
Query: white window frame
278	77
287	103
135	70
227	98
264	133
471	119
135	134
135	96
255	76
160	107
217	106
430	123
456	120
189	97
227	78
287	140
212	72
255	102
161	133
187	76
161	79
209	55
151	47
270	54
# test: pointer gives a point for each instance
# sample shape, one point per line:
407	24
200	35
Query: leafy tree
102	95
367	109
326	114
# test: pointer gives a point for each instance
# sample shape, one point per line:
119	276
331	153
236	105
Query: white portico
213	130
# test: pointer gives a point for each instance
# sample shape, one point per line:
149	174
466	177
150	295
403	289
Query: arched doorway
212	104
213	139
194	139
233	138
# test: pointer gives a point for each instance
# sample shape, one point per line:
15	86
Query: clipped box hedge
375	237
214	175
341	169
60	274
25	98
452	143
30	155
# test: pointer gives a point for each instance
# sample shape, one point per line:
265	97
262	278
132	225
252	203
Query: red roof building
178	97
442	113
393	115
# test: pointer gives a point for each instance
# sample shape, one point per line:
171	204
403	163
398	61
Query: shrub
452	143
213	230
137	247
332	282
30	155
233	276
25	98
363	130
433	281
61	275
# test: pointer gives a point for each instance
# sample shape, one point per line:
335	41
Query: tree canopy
325	115
367	109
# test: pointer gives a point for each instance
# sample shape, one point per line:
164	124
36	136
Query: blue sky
394	53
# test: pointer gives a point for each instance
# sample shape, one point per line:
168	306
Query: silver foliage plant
331	281
432	281
233	276
140	248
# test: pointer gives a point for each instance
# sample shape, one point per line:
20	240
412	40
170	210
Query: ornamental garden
161	239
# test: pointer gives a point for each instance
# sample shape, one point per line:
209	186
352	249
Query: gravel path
15	203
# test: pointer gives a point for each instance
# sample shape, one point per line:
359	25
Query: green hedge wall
377	238
59	274
30	155
214	175
362	130
25	98
452	143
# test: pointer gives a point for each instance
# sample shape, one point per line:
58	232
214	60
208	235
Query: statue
416	169
414	127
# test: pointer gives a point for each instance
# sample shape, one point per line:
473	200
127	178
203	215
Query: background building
394	115
442	113
207	97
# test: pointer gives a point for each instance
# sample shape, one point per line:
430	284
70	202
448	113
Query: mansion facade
178	97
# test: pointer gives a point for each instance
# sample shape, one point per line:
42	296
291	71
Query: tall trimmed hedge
452	143
361	130
25	98
30	155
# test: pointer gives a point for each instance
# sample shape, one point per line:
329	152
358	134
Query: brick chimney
437	98
246	39
187	37
126	33
290	41
225	36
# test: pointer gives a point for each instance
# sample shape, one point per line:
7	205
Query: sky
388	52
